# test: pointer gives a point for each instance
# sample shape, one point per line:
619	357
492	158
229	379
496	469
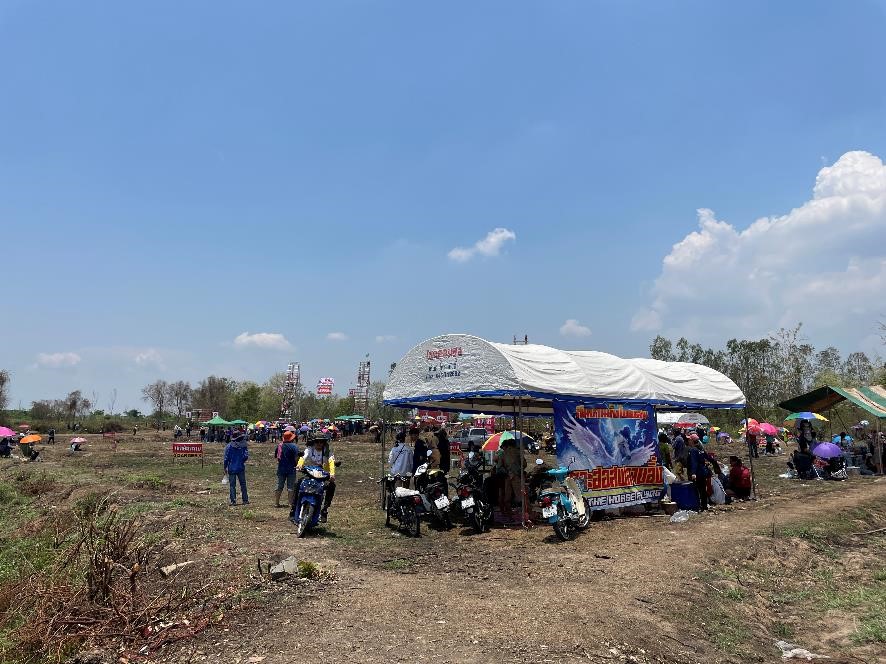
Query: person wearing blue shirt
287	457
698	471
236	456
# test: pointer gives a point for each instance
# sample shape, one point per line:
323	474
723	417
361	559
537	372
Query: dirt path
617	593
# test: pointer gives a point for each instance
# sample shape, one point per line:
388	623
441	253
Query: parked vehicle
402	503
563	506
309	501
464	437
433	488
475	506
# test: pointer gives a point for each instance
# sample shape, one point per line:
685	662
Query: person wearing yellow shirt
318	453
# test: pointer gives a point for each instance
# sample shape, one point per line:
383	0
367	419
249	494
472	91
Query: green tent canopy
344	418
237	422
871	399
216	422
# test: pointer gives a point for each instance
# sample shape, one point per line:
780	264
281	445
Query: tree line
250	401
778	367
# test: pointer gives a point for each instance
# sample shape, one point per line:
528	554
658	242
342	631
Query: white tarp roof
681	418
461	372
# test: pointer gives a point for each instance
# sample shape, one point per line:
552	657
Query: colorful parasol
33	438
768	429
6	432
493	443
805	416
78	439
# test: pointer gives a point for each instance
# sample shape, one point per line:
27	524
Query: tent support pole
750	456
523	513
384	432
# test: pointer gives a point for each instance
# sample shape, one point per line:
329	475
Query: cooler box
685	495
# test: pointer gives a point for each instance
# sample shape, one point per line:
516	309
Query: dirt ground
631	589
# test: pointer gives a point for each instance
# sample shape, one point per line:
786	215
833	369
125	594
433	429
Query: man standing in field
236	456
287	458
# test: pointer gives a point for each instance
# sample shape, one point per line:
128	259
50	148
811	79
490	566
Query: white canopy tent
461	372
671	418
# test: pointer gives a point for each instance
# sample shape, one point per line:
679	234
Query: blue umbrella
836	439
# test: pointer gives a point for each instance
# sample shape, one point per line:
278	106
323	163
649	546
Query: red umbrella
685	425
24	427
768	429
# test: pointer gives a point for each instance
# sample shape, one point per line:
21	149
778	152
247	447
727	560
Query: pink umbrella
6	432
78	440
768	429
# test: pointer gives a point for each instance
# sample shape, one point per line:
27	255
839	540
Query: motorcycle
309	502
433	489
564	507
475	506
402	503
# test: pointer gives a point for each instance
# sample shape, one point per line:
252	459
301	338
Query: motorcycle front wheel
562	527
304	518
411	521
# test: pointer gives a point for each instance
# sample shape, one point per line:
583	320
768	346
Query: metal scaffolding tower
361	394
290	390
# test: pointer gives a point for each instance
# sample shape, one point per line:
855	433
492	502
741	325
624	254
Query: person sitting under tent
802	463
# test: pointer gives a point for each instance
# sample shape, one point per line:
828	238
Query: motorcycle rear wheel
481	517
411	521
304	518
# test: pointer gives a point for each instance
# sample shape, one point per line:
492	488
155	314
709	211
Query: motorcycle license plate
441	502
467	502
548	512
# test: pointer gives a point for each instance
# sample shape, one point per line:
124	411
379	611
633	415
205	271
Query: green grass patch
397	564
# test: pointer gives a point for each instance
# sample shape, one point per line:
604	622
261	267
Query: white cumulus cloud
337	336
823	264
489	246
572	328
57	360
384	338
267	340
149	357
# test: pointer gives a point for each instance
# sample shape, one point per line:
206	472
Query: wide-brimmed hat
287	436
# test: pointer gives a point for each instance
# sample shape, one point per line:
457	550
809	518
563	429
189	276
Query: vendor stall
603	406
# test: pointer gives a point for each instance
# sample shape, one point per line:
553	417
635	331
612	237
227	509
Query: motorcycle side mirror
539	462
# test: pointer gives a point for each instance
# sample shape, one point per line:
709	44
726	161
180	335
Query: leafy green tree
245	402
661	349
857	370
213	394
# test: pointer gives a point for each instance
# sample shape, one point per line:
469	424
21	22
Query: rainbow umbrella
493	443
805	416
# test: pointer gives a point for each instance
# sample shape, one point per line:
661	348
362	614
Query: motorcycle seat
403	492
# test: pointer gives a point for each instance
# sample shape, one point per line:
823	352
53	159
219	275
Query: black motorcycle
472	499
402	504
433	489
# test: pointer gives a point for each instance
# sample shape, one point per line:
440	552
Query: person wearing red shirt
739	482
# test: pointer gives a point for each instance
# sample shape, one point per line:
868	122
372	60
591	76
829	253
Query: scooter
433	488
564	508
309	502
402	503
474	504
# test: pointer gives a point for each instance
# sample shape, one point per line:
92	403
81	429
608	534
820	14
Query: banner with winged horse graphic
611	451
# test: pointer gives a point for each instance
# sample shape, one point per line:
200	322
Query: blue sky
174	175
